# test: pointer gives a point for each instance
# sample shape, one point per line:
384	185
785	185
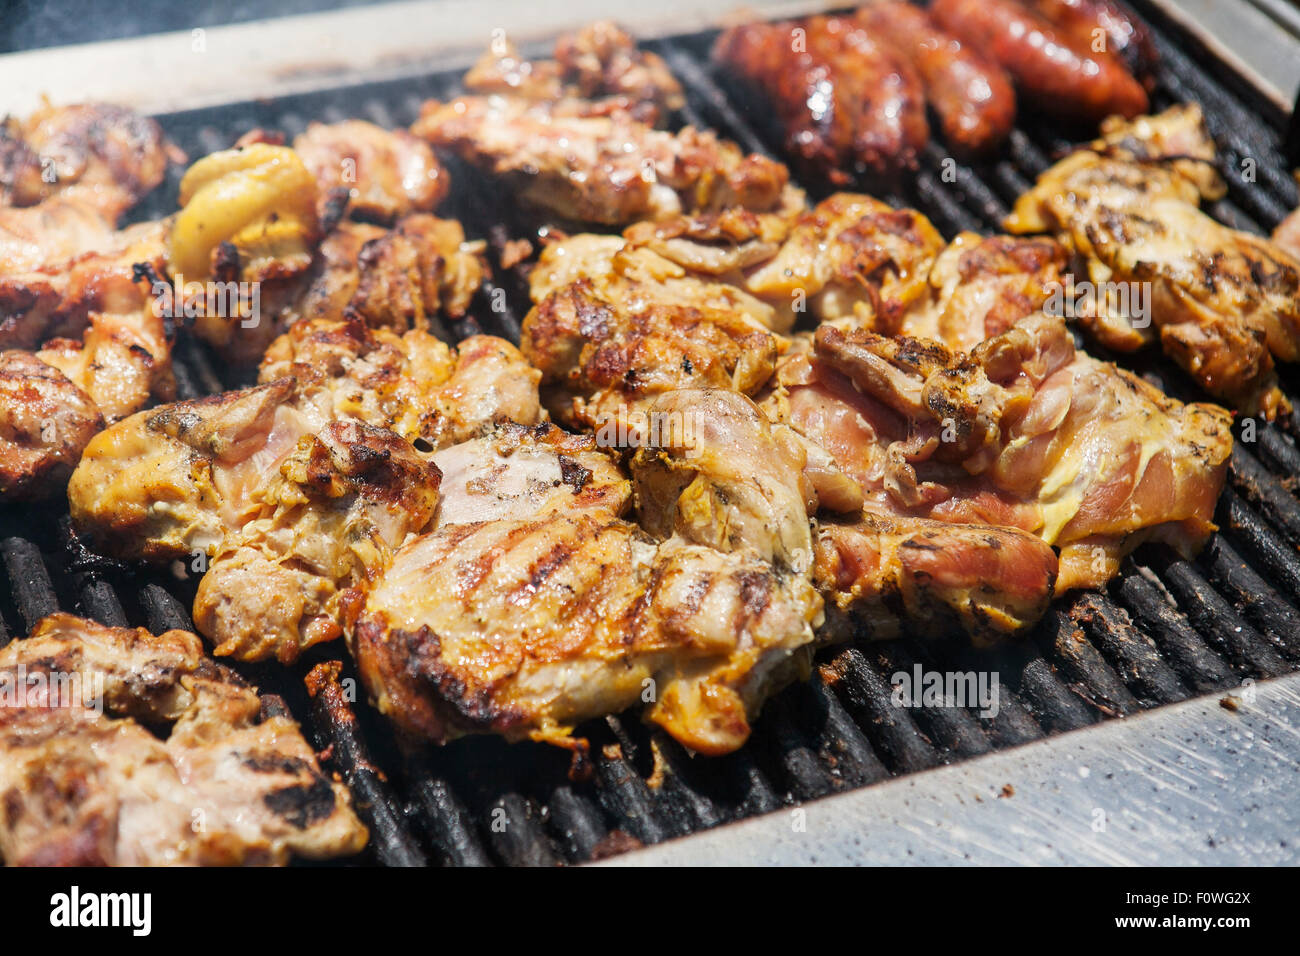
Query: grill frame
1101	655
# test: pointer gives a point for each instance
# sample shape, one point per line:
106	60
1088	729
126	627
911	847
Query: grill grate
1165	630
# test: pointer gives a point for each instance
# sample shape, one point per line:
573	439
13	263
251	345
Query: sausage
971	95
1045	65
842	100
1126	36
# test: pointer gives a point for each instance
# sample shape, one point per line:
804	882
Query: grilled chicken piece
607	168
598	358
518	471
342	501
971	94
102	156
53	400
299	488
384	173
528	627
1222	303
852	257
1025	433
844	99
412	384
885	575
55	298
980	286
599	63
1050	65
1287	234
552	609
58	230
45	423
85	784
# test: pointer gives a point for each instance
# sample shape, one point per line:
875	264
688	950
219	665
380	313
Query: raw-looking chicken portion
1024	432
607	168
553	609
885	575
600	64
1222	303
845	100
85	780
298	489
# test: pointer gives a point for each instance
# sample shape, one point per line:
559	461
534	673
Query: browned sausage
1045	65
971	94
1126	36
842	100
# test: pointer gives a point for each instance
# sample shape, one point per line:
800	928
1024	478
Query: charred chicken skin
1223	303
86	781
298	489
551	608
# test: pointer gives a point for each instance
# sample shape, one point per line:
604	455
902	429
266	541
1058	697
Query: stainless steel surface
1260	39
1191	783
205	67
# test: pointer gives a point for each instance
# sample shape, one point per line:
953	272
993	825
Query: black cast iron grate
1166	629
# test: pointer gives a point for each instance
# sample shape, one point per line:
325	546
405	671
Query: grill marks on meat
83	785
844	100
553	609
1223	303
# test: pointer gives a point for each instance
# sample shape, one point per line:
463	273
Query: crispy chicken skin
384	173
980	286
852	256
102	156
600	64
971	94
299	488
607	168
844	99
551	611
1025	432
231	782
1223	303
